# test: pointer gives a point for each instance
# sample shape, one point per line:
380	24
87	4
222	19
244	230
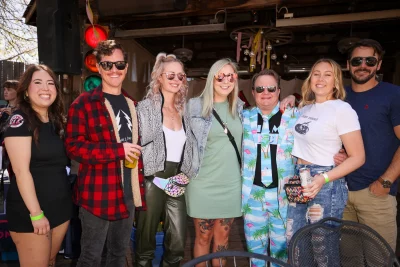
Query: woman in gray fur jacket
167	149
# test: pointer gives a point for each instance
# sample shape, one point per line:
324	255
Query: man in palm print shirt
267	147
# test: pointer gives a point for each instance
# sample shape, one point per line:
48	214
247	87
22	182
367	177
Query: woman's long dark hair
55	111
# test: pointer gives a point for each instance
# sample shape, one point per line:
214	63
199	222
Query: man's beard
362	80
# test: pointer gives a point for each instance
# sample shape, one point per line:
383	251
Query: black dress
47	166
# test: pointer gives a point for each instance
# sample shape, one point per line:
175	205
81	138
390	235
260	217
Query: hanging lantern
273	56
90	61
284	56
278	63
94	34
277	41
269	47
246	52
245	59
91	82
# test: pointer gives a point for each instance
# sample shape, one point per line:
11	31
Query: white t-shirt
174	141
318	129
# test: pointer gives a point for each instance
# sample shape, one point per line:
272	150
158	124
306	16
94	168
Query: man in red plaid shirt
102	131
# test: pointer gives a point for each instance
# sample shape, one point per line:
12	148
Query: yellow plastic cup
131	165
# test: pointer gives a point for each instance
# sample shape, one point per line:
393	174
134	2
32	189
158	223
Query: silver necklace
171	113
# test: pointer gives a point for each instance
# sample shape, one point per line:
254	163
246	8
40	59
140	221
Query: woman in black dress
39	201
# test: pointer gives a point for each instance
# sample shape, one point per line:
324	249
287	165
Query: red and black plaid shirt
90	140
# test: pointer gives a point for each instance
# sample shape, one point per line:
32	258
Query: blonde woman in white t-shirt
325	124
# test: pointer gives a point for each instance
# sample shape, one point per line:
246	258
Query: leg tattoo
222	248
226	223
206	225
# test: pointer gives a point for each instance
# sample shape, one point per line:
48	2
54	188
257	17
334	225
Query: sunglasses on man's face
369	61
221	76
271	89
107	65
171	75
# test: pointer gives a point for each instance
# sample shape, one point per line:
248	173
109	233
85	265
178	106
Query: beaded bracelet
37	217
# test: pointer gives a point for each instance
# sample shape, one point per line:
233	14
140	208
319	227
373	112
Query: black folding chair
235	255
336	243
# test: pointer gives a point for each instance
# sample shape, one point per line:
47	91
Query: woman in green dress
213	196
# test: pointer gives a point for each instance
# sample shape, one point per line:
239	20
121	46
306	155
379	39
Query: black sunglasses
107	65
221	76
271	89
369	61
171	75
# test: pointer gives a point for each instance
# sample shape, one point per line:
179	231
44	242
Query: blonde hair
154	88
208	92
338	89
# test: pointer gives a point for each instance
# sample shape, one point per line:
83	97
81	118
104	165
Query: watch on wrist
385	183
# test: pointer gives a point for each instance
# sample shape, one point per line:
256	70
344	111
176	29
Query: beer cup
131	165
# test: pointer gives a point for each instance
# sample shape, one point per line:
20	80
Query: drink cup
131	165
305	177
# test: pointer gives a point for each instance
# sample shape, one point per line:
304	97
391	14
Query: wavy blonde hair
338	90
208	92
154	88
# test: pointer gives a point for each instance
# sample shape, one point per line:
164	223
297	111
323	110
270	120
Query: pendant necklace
225	123
171	114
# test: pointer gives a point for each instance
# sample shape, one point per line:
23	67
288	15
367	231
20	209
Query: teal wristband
37	217
326	177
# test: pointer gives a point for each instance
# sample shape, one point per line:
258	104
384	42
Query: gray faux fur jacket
153	141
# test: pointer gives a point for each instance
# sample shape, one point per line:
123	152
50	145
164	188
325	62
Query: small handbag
294	191
176	185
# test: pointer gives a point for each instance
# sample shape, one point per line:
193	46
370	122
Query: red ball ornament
95	34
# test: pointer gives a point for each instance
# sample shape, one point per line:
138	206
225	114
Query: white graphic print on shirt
124	120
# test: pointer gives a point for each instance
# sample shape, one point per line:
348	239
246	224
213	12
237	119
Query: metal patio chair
336	243
234	255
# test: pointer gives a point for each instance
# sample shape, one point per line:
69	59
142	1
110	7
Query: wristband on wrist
37	217
326	177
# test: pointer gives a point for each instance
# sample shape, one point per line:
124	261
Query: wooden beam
341	18
32	9
168	31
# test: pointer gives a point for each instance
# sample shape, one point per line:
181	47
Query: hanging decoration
261	41
94	33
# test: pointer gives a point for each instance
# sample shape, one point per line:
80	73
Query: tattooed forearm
206	225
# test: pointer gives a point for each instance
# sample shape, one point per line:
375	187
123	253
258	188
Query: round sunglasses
221	76
107	65
171	75
271	89
369	61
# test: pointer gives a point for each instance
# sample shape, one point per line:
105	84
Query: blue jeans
329	202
